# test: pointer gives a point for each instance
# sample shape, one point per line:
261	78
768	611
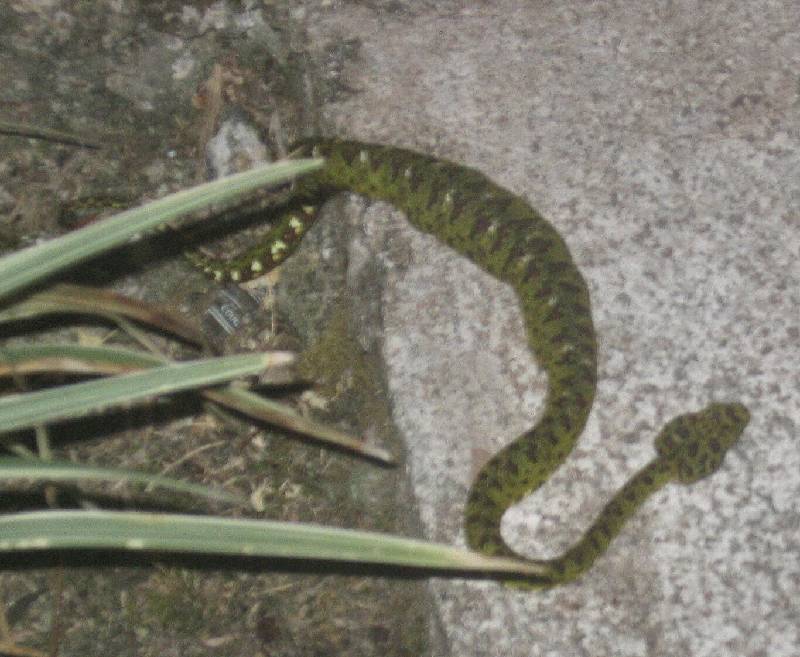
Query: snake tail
280	241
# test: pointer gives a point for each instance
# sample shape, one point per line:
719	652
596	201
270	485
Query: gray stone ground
662	141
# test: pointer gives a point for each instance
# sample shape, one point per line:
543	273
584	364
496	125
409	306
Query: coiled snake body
504	235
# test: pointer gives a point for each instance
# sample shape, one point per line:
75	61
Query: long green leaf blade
176	533
73	358
12	468
78	299
275	413
20	411
26	359
30	265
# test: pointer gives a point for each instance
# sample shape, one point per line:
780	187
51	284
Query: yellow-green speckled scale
504	235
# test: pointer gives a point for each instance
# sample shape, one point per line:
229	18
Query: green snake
505	236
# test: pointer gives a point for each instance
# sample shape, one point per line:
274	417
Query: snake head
694	444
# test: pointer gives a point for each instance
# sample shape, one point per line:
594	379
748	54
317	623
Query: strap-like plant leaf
177	533
70	358
28	266
78	299
262	408
12	468
21	411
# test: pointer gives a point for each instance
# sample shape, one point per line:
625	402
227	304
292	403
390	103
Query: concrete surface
662	142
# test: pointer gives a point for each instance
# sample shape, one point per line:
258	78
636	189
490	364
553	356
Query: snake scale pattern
505	236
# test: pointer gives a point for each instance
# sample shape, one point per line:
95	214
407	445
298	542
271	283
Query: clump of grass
125	377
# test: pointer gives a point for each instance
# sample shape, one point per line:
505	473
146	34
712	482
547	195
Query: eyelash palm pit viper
506	237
